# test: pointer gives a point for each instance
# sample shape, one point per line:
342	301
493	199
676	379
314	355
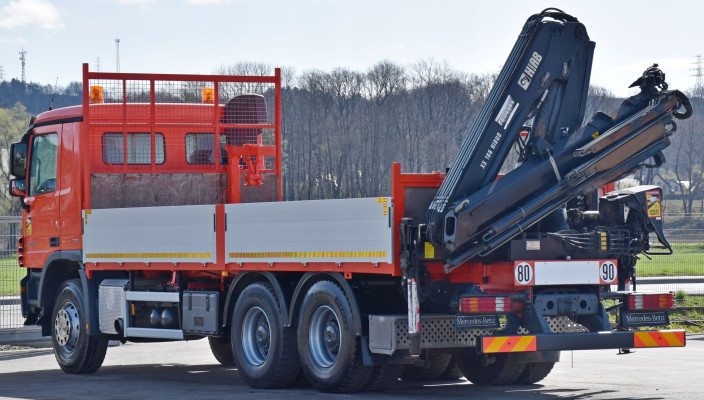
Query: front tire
75	350
331	354
264	351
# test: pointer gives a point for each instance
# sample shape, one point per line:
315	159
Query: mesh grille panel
439	332
141	125
564	324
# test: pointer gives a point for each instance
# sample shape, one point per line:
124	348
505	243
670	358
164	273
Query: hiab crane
153	212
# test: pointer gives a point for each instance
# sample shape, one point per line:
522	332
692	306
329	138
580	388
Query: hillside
36	97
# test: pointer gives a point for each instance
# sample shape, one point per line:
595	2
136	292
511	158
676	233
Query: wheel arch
309	279
248	277
59	267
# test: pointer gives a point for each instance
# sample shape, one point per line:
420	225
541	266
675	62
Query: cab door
41	225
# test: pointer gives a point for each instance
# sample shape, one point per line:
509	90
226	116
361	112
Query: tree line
342	128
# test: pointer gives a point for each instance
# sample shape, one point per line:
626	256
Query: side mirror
18	187
18	160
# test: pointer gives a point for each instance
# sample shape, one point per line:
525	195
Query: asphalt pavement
187	370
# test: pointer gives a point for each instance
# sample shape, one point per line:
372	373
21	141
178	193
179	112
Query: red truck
153	212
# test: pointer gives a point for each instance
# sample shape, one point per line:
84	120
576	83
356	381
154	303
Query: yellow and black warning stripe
310	254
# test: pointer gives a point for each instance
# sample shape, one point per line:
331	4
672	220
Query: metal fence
682	271
10	273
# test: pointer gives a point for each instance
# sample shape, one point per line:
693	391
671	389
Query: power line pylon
699	76
23	59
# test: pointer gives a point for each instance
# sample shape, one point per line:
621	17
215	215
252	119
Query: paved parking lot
187	370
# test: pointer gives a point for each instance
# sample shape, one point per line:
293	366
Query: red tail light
651	301
484	304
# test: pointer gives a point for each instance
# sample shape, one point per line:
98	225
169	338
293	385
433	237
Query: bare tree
13	123
688	167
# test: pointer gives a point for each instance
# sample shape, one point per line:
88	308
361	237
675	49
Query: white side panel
149	234
347	230
567	273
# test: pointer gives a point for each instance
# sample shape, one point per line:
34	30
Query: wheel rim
67	326
324	333
256	336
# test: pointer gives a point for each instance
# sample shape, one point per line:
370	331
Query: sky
197	36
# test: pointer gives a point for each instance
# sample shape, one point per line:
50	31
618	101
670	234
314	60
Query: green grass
10	275
687	259
690	319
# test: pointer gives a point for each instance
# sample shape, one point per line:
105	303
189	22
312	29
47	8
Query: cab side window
42	164
139	148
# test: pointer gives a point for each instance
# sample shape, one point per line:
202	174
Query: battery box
200	312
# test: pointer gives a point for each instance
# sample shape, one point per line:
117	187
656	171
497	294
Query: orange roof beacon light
96	94
208	96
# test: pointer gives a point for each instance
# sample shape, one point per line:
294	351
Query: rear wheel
534	373
222	350
383	377
330	352
497	369
436	365
75	350
452	372
264	351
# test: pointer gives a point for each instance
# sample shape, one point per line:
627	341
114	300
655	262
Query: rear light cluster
20	251
651	301
484	304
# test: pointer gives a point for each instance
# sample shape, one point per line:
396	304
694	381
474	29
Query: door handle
54	241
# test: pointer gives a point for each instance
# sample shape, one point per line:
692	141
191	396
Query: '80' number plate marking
577	272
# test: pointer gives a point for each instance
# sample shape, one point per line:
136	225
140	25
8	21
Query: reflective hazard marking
659	339
148	255
508	344
429	250
310	254
652	198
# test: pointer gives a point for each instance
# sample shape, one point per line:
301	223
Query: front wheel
75	350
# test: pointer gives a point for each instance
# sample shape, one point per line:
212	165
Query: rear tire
497	369
222	350
453	371
534	373
384	377
437	365
331	354
75	350
264	351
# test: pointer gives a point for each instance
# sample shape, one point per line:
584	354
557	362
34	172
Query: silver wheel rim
324	334
256	336
67	326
